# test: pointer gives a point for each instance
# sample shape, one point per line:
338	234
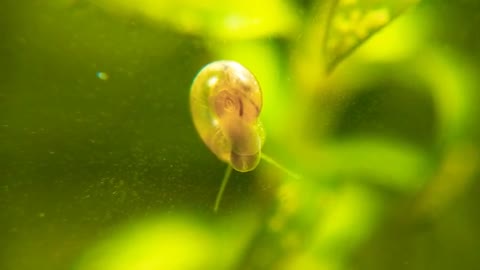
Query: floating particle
102	76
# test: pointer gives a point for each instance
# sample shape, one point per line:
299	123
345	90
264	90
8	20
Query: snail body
225	102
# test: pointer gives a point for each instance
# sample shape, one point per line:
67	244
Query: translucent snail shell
225	101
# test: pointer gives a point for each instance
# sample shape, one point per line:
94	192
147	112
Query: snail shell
225	101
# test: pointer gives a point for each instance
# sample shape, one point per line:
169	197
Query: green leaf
225	19
352	22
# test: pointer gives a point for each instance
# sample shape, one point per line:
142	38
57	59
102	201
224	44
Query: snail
225	102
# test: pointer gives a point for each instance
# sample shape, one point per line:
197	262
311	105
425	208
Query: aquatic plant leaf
170	242
352	22
225	19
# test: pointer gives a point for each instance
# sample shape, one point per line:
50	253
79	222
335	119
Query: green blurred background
372	102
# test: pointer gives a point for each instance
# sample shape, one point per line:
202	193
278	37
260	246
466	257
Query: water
102	168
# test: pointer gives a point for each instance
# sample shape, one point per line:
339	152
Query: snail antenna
222	187
282	168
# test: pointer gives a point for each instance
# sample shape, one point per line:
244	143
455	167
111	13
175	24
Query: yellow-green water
372	104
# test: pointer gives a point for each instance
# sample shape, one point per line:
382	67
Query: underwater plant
115	114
